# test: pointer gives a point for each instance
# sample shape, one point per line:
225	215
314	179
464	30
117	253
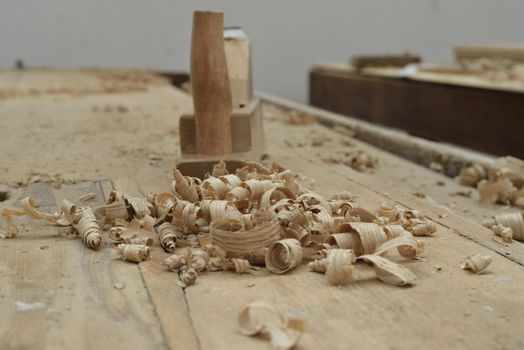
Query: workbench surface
98	134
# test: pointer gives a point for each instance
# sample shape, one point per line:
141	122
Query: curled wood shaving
471	176
390	272
139	206
339	266
360	214
148	241
231	234
371	236
68	210
87	196
241	266
389	211
476	263
167	236
117	233
274	195
422	228
505	232
196	259
496	191
219	169
393	231
310	199
257	187
262	318
215	209
116	210
175	261
10	229
290	214
133	252
344	241
284	255
299	233
231	181
406	244
318	265
514	221
185	186
239	196
214	188
88	227
187	276
321	220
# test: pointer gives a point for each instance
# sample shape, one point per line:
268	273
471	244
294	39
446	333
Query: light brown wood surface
99	150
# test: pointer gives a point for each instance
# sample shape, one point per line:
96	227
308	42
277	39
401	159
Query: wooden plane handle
212	99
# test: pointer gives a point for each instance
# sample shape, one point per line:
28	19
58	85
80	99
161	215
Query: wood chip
339	266
87	196
133	252
476	263
260	318
390	272
284	255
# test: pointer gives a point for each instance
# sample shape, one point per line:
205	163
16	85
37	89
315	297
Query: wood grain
82	306
443	112
447	308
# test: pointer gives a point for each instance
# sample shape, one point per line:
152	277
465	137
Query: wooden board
444	111
448	308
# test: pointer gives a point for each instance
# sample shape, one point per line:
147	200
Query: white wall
288	35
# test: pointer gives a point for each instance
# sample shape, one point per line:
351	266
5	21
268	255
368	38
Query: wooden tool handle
210	83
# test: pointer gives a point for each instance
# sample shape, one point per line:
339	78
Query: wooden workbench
91	134
450	106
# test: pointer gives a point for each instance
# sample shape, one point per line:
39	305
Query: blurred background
288	37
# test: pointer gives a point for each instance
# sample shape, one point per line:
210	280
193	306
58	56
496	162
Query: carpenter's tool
222	125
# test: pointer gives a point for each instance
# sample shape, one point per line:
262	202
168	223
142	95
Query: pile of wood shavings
258	217
503	183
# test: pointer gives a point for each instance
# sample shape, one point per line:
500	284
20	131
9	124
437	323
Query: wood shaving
476	263
465	194
88	227
514	221
318	265
259	318
504	183
187	276
148	241
390	272
284	255
167	236
185	186
406	244
116	210
472	175
232	235
87	196
133	252
505	232
118	233
219	169
175	261
422	228
365	237
258	216
339	266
